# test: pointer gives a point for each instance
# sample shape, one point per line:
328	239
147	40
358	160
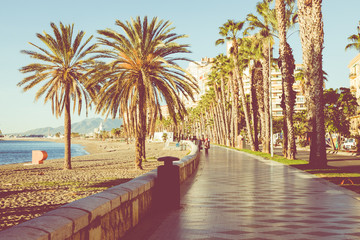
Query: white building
354	67
200	70
99	129
354	76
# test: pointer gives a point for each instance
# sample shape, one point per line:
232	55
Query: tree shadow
111	183
11	216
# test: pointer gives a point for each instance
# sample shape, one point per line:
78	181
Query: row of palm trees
251	50
141	71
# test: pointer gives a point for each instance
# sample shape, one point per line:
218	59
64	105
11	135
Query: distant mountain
83	127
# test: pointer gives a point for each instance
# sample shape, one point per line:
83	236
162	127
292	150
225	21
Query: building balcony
352	75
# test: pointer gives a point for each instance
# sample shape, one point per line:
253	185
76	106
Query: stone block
120	191
107	232
58	227
125	216
95	233
23	233
115	200
97	207
135	212
79	217
135	187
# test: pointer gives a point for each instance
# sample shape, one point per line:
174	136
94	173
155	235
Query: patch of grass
342	175
275	158
85	189
321	170
348	178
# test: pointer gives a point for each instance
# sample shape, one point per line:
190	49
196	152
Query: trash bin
168	184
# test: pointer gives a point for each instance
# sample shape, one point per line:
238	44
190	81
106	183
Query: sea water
21	151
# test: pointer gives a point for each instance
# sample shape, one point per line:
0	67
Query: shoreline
28	191
84	143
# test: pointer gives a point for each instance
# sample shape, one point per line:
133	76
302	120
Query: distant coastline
86	126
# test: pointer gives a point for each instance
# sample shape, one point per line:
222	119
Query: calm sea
21	151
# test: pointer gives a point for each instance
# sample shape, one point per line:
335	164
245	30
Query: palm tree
287	62
142	72
221	72
250	52
312	39
230	31
62	74
355	40
266	25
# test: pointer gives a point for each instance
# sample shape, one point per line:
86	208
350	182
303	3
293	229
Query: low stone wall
106	215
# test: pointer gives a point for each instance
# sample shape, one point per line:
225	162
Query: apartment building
276	90
354	76
201	69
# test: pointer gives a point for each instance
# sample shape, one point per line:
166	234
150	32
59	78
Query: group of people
206	143
203	142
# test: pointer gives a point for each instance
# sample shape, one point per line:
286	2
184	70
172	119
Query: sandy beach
28	191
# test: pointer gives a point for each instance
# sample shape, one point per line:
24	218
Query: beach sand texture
28	191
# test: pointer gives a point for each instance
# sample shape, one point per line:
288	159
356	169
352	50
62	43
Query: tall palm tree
229	32
61	75
220	71
355	40
266	24
287	62
251	53
142	71
312	40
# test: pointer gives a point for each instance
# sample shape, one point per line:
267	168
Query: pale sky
20	20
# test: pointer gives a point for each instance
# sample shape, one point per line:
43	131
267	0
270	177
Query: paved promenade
238	196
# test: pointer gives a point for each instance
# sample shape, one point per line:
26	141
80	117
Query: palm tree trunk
236	110
140	130
260	100
254	108
287	70
319	84
312	37
233	107
242	95
223	110
67	132
332	141
220	138
266	83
